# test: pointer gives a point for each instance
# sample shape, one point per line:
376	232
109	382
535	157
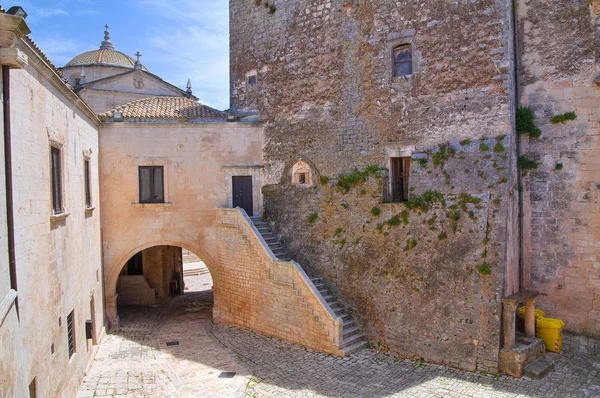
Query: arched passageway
159	273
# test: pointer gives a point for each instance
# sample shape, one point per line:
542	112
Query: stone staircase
353	339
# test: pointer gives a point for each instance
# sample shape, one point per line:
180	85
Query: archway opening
156	275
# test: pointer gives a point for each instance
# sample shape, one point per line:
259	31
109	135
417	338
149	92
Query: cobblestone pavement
137	362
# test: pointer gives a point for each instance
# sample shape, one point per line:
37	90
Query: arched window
301	174
402	60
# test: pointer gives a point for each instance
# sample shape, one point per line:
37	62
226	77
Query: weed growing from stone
348	180
465	199
484	268
526	122
324	180
527	164
410	244
404	216
312	218
424	201
394	221
442	236
465	142
345	206
563	118
483	147
442	155
422	162
376	211
338	231
499	147
559	166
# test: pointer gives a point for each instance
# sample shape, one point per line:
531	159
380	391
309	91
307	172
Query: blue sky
178	39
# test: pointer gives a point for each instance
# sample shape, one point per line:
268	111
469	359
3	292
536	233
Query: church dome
106	55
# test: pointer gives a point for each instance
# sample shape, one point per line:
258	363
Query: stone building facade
559	69
424	276
58	284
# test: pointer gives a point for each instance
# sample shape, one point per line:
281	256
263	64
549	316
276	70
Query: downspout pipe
517	102
8	175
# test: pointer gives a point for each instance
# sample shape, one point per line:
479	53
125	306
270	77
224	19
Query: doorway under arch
159	273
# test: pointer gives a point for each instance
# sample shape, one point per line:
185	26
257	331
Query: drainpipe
12	264
517	102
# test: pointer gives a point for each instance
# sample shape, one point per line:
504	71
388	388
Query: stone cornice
12	28
52	76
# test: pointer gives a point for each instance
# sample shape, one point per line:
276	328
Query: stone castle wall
327	96
558	46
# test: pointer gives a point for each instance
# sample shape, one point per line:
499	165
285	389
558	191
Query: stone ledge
59	217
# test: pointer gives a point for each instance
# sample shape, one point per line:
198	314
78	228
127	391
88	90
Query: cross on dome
106	44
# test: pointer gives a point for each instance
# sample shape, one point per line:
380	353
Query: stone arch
300	164
114	269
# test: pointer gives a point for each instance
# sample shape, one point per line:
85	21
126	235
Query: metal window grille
151	184
402	60
71	333
57	206
88	190
302	178
395	183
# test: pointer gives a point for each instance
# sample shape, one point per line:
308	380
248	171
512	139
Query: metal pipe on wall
10	222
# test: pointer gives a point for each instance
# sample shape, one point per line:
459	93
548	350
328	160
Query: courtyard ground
136	361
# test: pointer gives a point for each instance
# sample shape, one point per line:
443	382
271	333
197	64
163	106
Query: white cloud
50	12
61	50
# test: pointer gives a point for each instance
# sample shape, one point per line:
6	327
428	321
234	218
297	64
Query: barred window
402	60
395	184
57	205
71	333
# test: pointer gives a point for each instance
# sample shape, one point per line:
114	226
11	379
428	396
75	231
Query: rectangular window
302	178
402	60
88	188
57	205
396	184
151	184
251	80
71	333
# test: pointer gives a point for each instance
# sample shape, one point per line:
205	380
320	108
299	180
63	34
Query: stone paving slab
137	362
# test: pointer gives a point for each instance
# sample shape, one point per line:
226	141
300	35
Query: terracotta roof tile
43	56
174	108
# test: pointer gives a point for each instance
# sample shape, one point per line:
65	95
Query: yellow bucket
549	330
538	313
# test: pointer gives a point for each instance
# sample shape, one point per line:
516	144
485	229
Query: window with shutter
57	205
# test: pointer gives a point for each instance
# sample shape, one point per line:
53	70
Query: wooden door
242	193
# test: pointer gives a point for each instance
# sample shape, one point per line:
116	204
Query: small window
396	183
151	184
302	178
88	188
402	60
57	205
71	333
252	80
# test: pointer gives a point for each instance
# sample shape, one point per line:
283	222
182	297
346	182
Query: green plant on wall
527	164
526	122
424	201
312	218
484	268
348	180
410	244
376	211
324	180
559	166
563	118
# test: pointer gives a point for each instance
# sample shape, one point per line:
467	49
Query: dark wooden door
242	193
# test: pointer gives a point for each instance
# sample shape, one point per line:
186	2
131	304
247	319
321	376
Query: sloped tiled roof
43	56
170	108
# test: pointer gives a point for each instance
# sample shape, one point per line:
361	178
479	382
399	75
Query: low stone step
279	253
269	239
359	345
319	286
316	279
275	246
539	368
328	298
338	311
345	317
351	331
355	338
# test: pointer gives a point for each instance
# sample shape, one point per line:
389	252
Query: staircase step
348	324
352	340
339	311
316	279
539	368
345	317
319	286
359	345
351	332
328	298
